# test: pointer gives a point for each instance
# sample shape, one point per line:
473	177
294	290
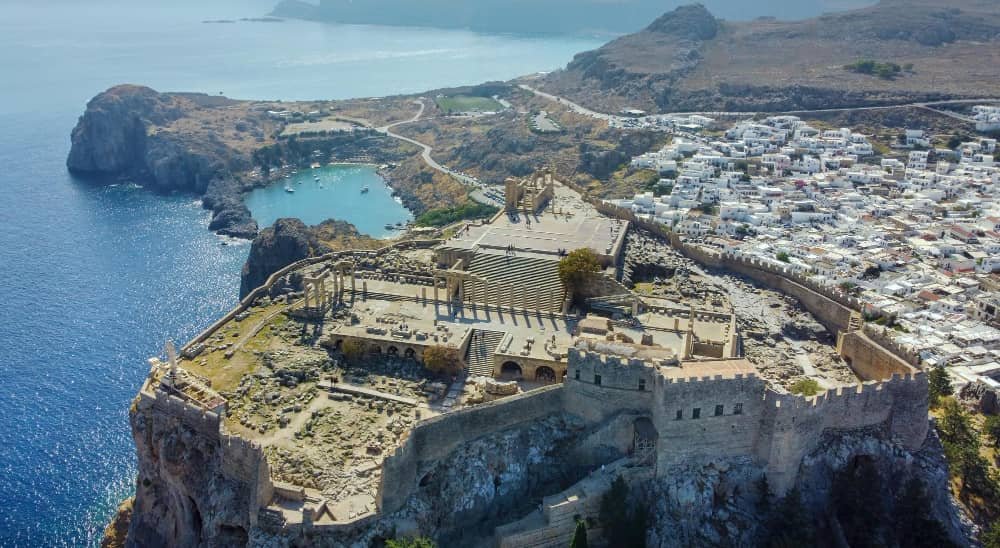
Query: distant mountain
539	16
687	59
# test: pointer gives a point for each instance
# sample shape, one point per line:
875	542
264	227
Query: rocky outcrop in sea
121	135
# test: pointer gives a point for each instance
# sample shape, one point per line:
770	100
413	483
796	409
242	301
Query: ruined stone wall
434	439
869	360
196	485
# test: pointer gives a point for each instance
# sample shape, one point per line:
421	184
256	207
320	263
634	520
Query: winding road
928	105
426	151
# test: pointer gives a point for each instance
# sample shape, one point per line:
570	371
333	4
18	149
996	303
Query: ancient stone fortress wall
600	386
791	426
241	461
706	418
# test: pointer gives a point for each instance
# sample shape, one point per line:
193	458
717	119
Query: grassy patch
467	103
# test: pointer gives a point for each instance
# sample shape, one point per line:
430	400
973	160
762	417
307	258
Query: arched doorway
375	350
644	440
510	371
409	354
393	351
545	374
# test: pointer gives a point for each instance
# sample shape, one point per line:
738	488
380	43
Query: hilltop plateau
689	60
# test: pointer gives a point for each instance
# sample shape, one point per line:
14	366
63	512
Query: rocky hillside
170	142
290	240
690	60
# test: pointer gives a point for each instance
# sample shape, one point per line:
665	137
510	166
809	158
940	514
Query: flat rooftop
568	223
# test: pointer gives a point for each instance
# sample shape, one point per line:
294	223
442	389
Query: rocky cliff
726	503
687	60
290	240
184	495
156	140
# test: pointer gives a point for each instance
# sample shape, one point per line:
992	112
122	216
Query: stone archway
410	354
375	350
392	351
511	370
545	374
644	439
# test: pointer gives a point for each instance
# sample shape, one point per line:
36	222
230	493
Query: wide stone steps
523	282
479	356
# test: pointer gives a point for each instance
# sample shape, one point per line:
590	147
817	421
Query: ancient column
436	282
172	360
305	293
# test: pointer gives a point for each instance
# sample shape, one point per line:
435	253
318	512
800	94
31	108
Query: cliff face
278	246
723	503
125	132
183	495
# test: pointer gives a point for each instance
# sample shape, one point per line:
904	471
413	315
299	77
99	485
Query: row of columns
314	289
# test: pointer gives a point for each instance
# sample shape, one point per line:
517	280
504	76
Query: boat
364	189
289	189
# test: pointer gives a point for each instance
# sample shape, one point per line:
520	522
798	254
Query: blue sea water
332	192
94	279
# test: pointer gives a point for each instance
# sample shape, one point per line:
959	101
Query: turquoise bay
353	193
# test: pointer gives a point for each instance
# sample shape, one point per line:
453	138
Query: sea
94	279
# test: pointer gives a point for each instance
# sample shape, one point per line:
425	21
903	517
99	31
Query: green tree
938	385
790	525
782	256
622	527
443	360
991	537
991	427
961	447
912	519
579	536
577	268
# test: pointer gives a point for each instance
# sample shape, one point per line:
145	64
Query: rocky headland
291	240
218	148
688	60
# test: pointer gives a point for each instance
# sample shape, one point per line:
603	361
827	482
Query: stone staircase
524	282
856	322
479	355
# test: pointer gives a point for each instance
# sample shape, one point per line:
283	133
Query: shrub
806	387
782	256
